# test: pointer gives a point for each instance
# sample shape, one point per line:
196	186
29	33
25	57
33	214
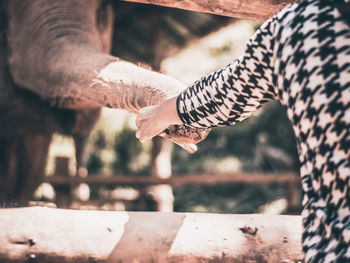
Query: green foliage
94	163
128	151
100	142
112	147
229	198
241	141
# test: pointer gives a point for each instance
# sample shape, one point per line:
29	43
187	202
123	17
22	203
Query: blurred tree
242	141
128	150
95	162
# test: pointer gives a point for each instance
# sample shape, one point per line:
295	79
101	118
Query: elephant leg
7	166
22	166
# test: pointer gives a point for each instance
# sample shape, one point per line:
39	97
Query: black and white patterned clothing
301	56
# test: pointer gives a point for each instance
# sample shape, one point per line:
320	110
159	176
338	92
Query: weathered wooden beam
193	179
40	234
258	10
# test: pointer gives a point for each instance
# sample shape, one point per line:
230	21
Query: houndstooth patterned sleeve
301	57
231	94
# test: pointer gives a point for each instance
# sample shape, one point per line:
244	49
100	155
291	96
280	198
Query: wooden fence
40	234
63	182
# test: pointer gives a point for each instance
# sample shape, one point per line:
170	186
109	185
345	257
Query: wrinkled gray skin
55	75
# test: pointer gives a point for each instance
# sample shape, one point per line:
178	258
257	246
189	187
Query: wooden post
63	192
258	10
161	168
39	234
81	192
162	194
292	193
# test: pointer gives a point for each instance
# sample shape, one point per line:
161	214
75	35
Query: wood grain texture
258	10
39	234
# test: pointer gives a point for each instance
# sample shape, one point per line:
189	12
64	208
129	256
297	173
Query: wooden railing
40	234
63	182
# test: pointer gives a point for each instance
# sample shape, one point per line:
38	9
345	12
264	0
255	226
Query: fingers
138	123
145	127
144	133
143	121
148	128
151	121
144	114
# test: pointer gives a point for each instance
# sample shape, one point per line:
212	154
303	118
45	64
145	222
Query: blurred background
187	46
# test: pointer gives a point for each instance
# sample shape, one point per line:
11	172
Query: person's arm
223	97
233	93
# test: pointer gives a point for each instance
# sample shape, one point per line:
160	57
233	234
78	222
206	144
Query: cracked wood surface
40	234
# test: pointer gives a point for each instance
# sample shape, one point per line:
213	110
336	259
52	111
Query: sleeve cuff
178	109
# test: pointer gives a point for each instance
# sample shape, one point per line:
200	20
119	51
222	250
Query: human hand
153	120
164	121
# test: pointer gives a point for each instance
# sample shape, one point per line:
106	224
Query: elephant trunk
81	79
103	80
58	50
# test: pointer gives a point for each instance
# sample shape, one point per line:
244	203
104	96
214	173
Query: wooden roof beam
258	10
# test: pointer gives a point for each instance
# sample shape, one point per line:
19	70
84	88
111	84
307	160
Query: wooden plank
176	180
40	234
258	10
